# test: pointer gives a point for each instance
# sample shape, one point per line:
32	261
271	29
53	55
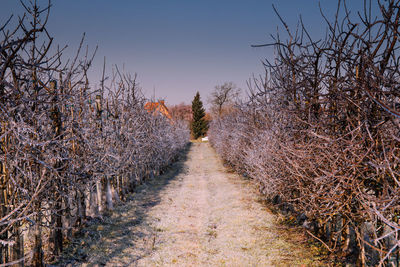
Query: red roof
158	107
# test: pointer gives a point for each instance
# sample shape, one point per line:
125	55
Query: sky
178	47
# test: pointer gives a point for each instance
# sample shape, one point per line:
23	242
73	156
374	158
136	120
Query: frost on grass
196	215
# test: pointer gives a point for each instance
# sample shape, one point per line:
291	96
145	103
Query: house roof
159	107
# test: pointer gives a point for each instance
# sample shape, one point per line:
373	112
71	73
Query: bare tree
320	133
67	149
223	97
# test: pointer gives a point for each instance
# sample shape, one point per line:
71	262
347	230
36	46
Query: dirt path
196	215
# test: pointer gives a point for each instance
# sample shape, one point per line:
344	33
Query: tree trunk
17	251
37	259
109	199
3	212
360	236
58	235
99	198
56	222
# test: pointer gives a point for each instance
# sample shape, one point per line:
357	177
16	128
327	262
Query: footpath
197	214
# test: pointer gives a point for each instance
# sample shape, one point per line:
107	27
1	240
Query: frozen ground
197	214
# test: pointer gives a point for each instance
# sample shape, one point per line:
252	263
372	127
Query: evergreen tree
199	124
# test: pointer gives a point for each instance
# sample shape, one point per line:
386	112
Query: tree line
68	151
320	131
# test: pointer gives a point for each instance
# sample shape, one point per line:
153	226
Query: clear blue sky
178	47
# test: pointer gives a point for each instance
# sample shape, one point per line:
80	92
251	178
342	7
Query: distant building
158	107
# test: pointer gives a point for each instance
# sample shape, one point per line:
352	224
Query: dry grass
196	215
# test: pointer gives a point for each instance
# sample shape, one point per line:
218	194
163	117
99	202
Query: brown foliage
181	112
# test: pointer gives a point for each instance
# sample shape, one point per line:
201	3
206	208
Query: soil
197	214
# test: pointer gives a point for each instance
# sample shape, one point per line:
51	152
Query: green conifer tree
199	124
